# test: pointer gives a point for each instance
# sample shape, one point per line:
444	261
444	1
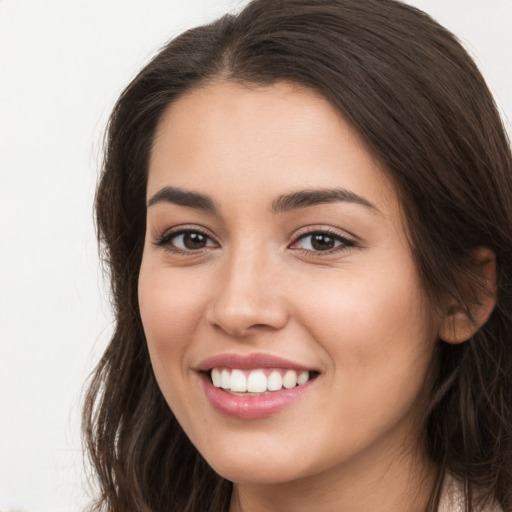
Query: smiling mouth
258	381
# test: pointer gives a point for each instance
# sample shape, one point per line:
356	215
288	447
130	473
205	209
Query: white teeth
290	379
216	378
302	378
238	381
274	381
225	382
257	381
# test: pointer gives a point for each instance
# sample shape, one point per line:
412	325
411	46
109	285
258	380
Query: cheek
372	322
380	341
171	306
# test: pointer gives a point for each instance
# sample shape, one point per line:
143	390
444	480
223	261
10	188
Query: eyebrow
183	198
307	198
284	203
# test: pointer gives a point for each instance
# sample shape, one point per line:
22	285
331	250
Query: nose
248	297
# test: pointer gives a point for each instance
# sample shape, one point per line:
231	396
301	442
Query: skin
356	313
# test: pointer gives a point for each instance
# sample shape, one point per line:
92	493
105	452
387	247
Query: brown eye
321	241
186	240
194	240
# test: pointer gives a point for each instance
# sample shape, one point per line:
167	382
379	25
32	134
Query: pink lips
251	406
248	362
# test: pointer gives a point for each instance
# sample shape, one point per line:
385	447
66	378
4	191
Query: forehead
238	139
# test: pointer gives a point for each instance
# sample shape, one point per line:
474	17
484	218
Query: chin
248	474
240	468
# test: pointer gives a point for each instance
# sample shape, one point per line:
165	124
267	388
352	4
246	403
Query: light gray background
62	65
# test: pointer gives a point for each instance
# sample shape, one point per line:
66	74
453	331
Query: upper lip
249	362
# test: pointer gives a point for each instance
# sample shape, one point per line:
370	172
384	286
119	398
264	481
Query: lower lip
255	406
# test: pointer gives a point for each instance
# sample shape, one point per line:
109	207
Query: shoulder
453	499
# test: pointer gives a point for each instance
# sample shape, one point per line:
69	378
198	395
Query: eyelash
165	240
345	243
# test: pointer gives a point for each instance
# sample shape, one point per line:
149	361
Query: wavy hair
415	96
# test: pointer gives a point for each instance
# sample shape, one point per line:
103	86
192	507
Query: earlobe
459	324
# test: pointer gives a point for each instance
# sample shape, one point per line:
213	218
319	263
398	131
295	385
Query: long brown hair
416	97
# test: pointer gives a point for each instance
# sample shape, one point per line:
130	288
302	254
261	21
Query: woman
306	211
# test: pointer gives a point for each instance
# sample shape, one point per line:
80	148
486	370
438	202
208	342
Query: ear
460	324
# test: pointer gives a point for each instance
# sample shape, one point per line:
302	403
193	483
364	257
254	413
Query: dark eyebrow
307	198
183	198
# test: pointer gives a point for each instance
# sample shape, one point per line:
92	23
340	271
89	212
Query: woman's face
275	252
